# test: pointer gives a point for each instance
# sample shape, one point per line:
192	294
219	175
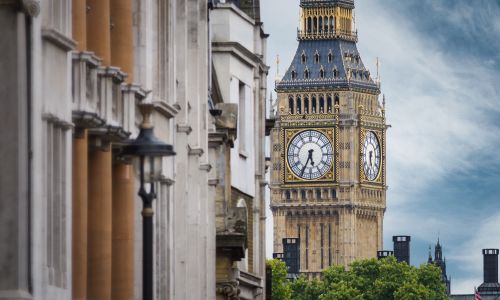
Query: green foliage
365	280
281	289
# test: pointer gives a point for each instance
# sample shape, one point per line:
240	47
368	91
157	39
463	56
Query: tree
281	289
370	279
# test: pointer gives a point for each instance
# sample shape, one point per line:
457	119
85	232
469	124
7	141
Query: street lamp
148	152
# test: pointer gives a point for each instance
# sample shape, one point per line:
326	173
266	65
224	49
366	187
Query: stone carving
29	7
229	289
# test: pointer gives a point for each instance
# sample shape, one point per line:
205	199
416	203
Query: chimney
384	253
291	251
402	248
490	265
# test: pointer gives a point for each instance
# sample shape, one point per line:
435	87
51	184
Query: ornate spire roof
327	56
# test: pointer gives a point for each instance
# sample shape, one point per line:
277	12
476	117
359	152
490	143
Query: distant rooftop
312	3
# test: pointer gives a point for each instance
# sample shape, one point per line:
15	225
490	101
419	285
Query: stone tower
328	181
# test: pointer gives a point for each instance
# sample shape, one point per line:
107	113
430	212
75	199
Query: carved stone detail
229	289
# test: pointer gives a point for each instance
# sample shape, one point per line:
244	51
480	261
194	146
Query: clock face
371	156
310	154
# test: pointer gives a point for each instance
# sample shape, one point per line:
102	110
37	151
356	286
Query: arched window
330	57
315	25
337	99
325	24
313	105
316	57
290	105
321	73
294	74
306	74
321	104
320	25
309	21
329	104
303	58
335	73
306	105
332	24
299	105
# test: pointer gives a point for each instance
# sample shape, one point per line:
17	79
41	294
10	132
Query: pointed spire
278	76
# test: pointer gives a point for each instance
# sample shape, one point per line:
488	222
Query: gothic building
328	180
440	261
74	75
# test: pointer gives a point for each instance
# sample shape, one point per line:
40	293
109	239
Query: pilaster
98	29
123	231
80	214
99	221
122	54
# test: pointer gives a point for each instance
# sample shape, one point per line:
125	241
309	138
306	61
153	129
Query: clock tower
328	180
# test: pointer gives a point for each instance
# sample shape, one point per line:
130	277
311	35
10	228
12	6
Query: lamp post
148	151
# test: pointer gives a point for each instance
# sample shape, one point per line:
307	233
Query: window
303	194
321	73
315	24
316	58
325	22
329	104
290	105
287	195
309	24
321	105
242	117
330	57
299	105
337	99
294	74
334	193
335	73
56	193
306	105
332	24
320	24
303	58
306	74
318	194
314	105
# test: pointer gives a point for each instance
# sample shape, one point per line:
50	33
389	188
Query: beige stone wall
349	208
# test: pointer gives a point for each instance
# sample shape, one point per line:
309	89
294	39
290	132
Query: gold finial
378	70
278	77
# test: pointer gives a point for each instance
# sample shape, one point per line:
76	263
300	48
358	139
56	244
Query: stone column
15	186
98	29
80	23
80	206
123	232
122	48
99	224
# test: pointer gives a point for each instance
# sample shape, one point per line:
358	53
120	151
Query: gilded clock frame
379	181
289	178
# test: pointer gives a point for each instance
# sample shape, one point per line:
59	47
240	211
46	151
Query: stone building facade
328	180
239	92
74	73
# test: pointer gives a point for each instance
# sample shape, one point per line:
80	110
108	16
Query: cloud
440	70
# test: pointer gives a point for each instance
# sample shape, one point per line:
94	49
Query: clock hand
311	156
304	168
371	154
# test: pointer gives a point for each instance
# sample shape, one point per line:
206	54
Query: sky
440	72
